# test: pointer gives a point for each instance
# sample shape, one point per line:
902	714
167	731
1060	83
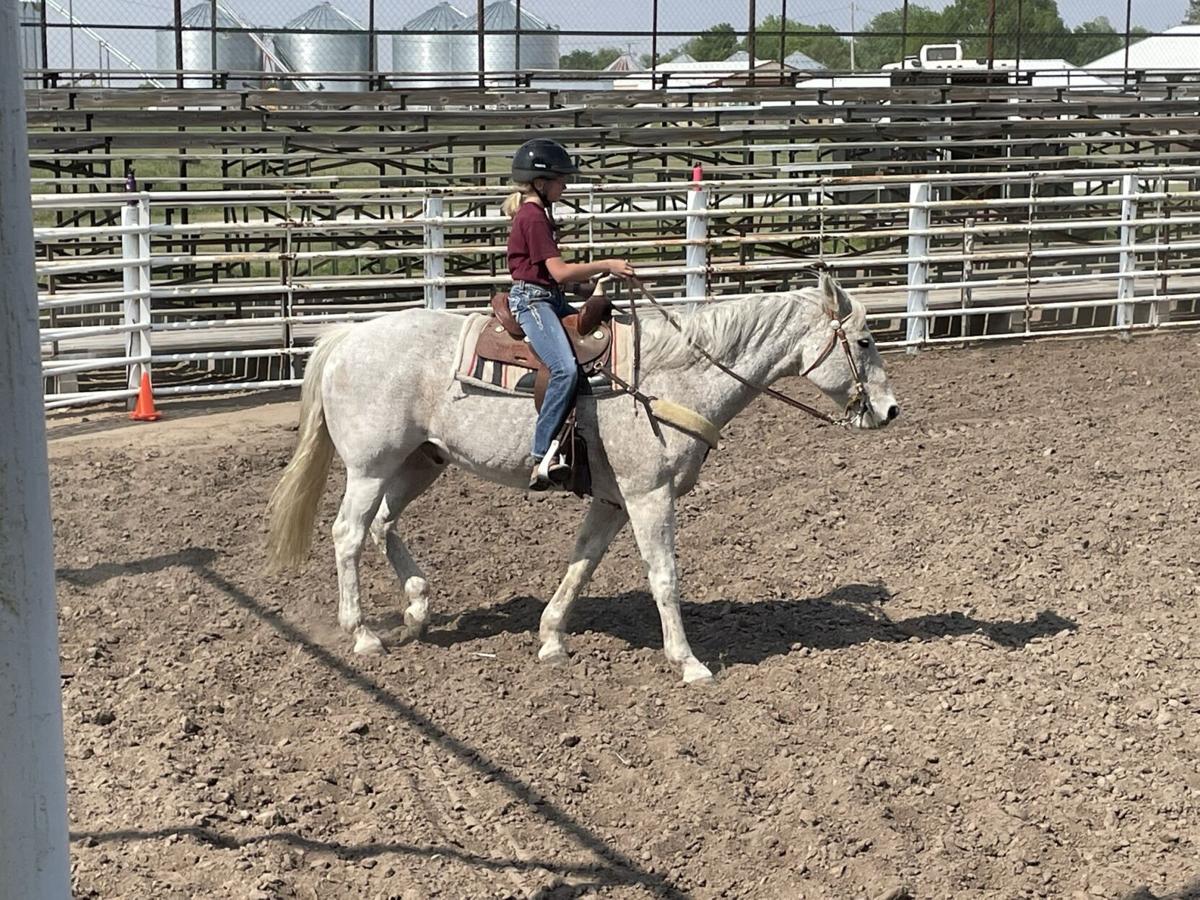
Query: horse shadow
750	632
1188	892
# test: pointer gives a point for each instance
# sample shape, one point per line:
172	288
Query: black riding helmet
541	158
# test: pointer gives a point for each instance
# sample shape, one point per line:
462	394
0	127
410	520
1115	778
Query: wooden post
751	41
479	41
653	44
212	43
991	45
1128	33
179	43
372	50
782	38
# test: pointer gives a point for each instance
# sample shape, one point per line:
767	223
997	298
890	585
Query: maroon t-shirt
530	243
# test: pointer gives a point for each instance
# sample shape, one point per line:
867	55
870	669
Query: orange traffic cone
145	411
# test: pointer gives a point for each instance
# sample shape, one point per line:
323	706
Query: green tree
589	59
1193	13
715	43
1042	33
818	42
883	42
1094	39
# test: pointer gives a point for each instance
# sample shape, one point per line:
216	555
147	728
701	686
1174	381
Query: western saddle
589	330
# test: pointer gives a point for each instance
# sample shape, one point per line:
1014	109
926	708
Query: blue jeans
538	310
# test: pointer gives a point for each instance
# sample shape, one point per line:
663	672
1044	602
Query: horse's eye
864	342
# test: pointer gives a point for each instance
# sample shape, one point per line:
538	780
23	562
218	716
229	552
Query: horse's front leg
599	527
652	516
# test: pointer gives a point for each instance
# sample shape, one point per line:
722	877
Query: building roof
502	16
201	15
623	63
442	17
798	60
323	17
1175	48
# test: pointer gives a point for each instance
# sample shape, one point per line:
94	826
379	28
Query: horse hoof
553	656
695	672
366	643
414	627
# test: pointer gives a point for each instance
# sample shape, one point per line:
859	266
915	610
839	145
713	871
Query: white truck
932	57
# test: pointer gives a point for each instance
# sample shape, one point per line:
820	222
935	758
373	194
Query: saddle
589	332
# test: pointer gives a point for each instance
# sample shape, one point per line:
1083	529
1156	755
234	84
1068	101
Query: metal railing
941	259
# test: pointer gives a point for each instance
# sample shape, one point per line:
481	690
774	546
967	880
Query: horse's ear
829	294
845	306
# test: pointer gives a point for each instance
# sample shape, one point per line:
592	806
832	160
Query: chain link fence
356	45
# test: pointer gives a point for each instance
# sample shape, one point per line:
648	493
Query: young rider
539	172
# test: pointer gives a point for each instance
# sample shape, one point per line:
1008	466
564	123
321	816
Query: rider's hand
621	268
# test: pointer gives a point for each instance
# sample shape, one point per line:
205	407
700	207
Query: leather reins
839	336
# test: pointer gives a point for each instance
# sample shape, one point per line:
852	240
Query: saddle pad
505	379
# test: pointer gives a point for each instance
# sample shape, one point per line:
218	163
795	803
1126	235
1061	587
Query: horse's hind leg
419	471
359	503
600	526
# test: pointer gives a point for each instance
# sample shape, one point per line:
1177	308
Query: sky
611	15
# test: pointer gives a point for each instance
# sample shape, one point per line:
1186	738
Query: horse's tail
293	505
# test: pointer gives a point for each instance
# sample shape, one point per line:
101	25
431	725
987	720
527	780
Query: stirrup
551	471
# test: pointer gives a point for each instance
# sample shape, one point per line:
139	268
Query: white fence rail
186	287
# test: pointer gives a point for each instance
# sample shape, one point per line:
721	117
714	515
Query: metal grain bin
535	48
325	39
236	52
435	54
29	17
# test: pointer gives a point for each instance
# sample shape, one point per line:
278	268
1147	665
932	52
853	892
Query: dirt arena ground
958	658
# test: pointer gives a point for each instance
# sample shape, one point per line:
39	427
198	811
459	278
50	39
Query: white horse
383	395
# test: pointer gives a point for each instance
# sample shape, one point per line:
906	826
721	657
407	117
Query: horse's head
839	356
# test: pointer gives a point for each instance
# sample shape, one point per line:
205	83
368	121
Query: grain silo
29	18
536	47
325	39
236	51
442	48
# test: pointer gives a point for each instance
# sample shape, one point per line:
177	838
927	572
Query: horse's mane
721	328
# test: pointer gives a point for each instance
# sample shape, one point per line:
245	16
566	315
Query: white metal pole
1128	263
696	254
131	281
33	790
144	279
435	262
918	266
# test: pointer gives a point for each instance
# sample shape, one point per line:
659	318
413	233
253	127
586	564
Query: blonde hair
521	189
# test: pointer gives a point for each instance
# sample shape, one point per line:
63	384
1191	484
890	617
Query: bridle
858	395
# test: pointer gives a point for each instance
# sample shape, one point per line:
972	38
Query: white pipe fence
938	259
